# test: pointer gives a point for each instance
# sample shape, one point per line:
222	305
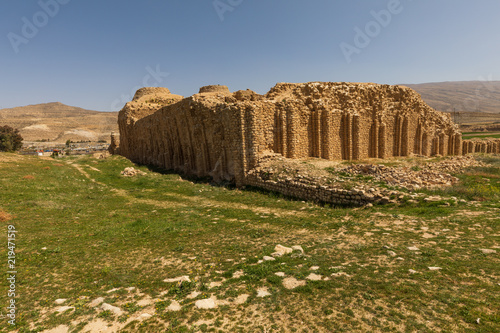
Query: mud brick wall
221	134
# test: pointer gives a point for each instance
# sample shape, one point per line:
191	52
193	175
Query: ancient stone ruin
223	135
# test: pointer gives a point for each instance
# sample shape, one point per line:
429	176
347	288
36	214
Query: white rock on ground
145	316
178	279
238	274
280	274
391	253
112	290
267	258
116	310
215	284
435	268
174	306
62	309
314	268
314	277
60	301
298	248
241	299
488	251
283	249
263	292
412	271
292	283
96	302
207	303
413	248
194	294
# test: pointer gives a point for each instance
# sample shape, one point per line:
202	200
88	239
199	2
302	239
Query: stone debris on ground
65	308
292	283
359	184
435	268
174	306
183	278
314	277
115	310
241	299
488	251
263	292
96	302
281	250
207	303
131	172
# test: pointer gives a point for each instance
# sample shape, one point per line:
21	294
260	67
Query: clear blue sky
94	53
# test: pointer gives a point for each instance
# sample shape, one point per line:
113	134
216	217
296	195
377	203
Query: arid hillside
463	96
58	122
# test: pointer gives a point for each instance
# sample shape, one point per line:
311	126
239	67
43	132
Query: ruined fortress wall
221	134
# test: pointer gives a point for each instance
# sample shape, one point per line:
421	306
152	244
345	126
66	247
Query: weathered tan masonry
222	134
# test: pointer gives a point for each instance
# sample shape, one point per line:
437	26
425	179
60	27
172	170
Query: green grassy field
85	231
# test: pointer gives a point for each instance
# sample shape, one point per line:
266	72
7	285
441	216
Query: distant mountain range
477	102
462	96
58	122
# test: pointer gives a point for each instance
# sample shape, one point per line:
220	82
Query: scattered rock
145	316
340	274
435	268
207	303
241	299
174	306
488	251
131	172
283	249
298	248
112	290
292	283
215	284
267	258
314	268
178	279
194	294
238	274
280	274
96	302
116	310
413	248
60	301
62	309
263	292
391	253
314	277
412	271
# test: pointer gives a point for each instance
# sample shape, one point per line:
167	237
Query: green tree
10	139
68	142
